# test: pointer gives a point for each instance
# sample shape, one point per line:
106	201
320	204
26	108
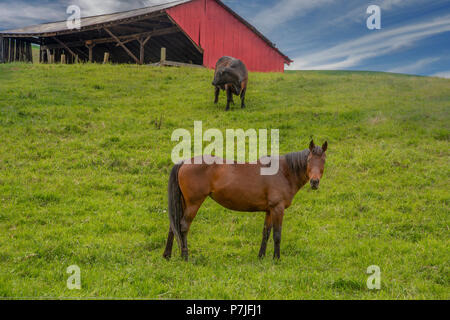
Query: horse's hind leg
168	252
189	214
266	234
243	97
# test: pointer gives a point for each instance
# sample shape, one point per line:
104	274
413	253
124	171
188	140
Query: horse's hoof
166	256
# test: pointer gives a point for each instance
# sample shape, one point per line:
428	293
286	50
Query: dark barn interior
135	36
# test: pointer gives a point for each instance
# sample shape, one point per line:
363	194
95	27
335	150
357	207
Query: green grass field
84	171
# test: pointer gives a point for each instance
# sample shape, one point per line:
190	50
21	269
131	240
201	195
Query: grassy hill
84	170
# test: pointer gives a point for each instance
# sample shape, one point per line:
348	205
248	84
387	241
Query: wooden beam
126	41
123	46
176	64
159	32
64	46
146	40
81	52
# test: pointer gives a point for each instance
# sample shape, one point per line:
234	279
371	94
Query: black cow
231	75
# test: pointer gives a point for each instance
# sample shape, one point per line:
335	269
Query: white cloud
442	74
284	11
359	14
415	66
379	43
16	14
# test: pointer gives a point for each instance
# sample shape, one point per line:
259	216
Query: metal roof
88	23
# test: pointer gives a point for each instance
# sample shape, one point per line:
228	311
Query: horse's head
225	76
316	163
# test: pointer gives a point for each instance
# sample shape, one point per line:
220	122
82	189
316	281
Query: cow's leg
243	97
266	234
277	219
168	252
229	98
216	94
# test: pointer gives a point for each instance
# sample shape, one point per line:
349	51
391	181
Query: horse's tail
175	203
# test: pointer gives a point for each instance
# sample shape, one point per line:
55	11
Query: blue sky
317	34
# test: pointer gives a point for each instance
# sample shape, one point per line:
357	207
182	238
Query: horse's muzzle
314	184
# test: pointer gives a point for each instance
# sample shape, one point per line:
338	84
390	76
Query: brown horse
240	187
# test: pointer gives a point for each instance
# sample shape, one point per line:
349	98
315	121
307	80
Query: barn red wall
219	33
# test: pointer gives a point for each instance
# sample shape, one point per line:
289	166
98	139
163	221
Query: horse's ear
311	145
324	146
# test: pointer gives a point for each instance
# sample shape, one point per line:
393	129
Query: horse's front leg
277	218
216	94
266	234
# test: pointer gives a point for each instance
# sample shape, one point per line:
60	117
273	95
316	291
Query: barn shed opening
195	32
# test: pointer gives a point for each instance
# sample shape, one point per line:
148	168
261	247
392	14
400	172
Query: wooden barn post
90	46
12	55
5	50
106	57
163	55
17	51
2	55
11	50
29	52
142	41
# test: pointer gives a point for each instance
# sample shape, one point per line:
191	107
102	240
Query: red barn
190	31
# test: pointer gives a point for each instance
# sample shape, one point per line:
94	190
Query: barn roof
60	27
94	22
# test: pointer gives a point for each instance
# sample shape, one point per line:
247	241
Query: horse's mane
297	161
